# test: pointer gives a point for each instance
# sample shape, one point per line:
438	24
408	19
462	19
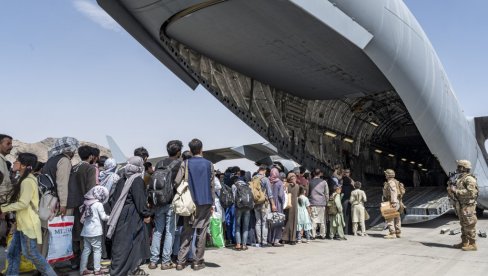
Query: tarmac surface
422	250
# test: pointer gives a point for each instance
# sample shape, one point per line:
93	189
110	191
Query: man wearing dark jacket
83	178
347	188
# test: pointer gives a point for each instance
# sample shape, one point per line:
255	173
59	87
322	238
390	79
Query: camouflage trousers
394	225
467	219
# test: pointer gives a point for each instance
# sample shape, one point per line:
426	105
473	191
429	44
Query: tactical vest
461	184
398	187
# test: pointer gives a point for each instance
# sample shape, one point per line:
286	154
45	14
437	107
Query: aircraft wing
253	152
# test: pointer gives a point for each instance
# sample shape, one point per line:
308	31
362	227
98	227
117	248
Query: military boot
398	234
470	247
390	236
460	245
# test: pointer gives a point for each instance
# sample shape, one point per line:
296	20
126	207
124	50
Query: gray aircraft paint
404	54
388	34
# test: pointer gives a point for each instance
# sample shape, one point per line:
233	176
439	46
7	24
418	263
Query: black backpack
226	196
161	187
244	196
46	184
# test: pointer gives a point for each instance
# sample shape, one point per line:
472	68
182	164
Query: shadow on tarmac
373	235
440	245
213	265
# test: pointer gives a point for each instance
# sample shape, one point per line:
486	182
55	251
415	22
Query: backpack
400	190
331	206
45	184
244	196
161	187
48	199
226	196
257	190
183	202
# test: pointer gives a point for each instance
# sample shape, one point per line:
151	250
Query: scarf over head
133	169
108	177
274	175
95	194
63	145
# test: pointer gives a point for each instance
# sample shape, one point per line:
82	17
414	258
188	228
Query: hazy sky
66	69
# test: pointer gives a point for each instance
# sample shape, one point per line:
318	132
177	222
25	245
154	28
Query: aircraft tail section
117	153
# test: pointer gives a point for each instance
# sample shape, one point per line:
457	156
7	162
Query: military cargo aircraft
348	82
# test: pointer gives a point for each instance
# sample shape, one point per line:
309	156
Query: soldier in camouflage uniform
392	193
464	191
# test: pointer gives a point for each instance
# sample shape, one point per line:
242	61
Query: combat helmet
464	163
390	173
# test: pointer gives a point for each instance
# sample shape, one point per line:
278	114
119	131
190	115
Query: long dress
278	191
290	231
304	222
130	242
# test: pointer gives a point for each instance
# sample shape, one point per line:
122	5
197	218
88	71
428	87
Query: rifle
452	182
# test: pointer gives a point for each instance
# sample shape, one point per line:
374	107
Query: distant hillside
41	148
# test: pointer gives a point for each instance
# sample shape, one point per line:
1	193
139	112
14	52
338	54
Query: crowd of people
132	214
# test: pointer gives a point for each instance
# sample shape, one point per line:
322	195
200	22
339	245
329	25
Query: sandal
168	266
140	272
244	248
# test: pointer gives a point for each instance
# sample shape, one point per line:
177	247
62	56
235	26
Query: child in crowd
92	215
358	198
304	222
336	217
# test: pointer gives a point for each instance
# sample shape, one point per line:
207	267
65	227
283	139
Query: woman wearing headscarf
275	233
108	177
130	241
290	231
